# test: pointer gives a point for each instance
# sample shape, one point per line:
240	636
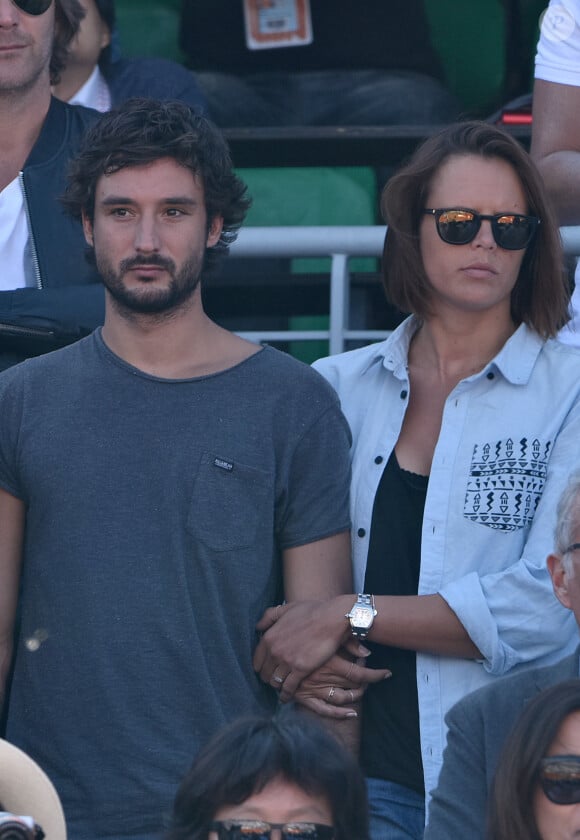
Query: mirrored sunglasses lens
513	232
560	780
457	227
301	831
250	830
33	7
563	791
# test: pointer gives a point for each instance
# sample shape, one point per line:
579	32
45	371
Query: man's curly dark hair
142	131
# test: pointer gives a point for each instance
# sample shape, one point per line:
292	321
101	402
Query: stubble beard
15	84
146	298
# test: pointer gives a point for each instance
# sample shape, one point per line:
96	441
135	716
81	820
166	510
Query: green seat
485	47
312	195
470	39
149	28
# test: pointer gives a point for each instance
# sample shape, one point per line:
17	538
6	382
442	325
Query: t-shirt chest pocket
229	502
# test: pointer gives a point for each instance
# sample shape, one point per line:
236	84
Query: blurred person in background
98	76
536	790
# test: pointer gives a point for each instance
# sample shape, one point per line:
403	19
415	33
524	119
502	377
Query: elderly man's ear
560	579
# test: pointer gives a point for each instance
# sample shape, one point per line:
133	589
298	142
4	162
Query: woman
261	776
465	425
536	790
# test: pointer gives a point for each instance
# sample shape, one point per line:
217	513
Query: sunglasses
459	226
560	778
257	830
33	7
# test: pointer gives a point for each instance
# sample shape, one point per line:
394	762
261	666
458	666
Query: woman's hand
299	638
334	690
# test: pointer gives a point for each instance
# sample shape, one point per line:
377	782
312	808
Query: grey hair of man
568	522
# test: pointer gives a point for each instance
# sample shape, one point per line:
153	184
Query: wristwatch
362	615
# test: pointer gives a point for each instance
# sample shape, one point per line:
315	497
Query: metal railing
340	244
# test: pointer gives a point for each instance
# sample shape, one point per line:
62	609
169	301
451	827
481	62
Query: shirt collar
515	361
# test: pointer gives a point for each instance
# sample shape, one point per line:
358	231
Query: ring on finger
331	692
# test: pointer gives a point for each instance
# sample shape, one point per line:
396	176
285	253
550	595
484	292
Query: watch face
362	616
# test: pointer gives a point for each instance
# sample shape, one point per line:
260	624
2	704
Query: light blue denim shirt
510	437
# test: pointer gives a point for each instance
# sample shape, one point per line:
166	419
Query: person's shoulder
511	691
73	115
157	78
292	369
47	366
293	379
61	133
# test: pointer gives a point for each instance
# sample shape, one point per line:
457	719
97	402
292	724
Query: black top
390	745
347	34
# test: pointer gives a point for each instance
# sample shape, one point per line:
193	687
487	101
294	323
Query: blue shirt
510	437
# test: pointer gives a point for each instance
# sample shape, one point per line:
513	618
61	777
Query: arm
307	635
320	570
12	514
556	144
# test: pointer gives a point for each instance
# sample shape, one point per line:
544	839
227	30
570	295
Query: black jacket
68	300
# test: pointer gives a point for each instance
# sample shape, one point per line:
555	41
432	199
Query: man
179	480
478	724
556	124
44	295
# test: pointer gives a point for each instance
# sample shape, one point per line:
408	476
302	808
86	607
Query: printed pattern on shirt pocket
505	483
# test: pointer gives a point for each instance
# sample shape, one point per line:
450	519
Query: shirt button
379	459
361	532
491	375
403	395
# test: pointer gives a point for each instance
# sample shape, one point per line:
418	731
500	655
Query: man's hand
299	638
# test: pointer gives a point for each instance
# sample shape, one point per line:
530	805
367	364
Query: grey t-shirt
156	514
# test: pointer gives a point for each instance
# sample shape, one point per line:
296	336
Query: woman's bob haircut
541	295
510	806
253	751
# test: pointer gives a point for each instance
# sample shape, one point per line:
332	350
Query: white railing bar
285	335
363	241
360	241
339	243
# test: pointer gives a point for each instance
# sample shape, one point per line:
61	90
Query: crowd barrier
340	244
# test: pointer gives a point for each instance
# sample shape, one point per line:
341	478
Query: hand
334	689
299	638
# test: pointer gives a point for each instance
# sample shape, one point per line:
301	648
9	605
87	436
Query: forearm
301	637
423	623
555	145
561	174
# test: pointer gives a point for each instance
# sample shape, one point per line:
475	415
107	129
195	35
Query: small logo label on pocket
223	465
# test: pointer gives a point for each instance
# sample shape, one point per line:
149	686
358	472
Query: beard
148	297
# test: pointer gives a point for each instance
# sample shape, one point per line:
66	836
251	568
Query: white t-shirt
14	239
558	60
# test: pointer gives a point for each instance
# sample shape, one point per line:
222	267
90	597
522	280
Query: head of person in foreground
276	777
536	790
